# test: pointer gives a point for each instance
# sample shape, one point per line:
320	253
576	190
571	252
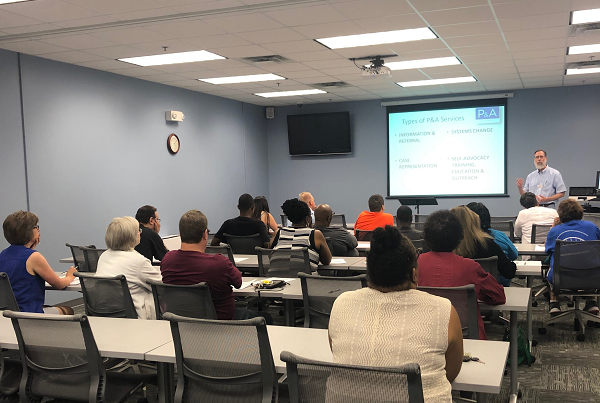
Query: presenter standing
545	182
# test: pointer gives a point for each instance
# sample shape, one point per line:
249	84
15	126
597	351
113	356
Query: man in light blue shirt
545	182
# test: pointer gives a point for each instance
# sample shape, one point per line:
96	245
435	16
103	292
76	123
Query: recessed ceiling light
577	50
439	81
11	1
571	72
377	38
172	58
289	93
423	63
242	79
585	16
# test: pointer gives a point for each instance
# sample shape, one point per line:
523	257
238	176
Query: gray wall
564	121
96	149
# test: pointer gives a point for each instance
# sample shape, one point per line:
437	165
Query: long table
531	249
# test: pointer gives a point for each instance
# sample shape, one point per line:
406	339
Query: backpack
523	352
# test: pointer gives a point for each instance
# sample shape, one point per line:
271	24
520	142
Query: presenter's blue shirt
546	183
576	230
29	290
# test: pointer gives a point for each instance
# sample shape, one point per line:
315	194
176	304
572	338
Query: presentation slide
447	152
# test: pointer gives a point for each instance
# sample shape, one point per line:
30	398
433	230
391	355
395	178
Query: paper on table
244	284
239	259
337	261
540	247
287	280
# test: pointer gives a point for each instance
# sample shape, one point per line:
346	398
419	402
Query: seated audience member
532	214
391	323
300	234
404	217
261	212
343	243
500	237
190	265
441	267
151	244
476	244
569	226
375	218
242	225
26	268
308	198
122	235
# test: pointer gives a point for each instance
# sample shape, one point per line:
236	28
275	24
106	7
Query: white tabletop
533	249
517	300
529	268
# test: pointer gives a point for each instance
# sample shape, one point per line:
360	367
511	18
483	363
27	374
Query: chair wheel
534	304
519	394
597	324
570	304
542	330
576	326
580	337
590	323
534	342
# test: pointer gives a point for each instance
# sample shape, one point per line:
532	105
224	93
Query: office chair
106	296
489	265
62	361
338	220
191	301
91	257
320	292
232	363
419	225
313	381
224	249
539	233
508	227
78	257
7	297
285	263
10	369
363	235
576	274
243	245
464	300
284	220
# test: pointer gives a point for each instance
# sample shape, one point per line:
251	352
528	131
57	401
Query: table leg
529	314
514	343
165	382
288	312
481	397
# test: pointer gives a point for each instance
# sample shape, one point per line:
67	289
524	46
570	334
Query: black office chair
419	225
10	368
421	218
313	381
91	257
539	232
363	235
7	297
224	249
243	245
418	243
489	265
320	292
106	296
190	301
78	257
508	227
464	300
576	274
223	361
339	220
285	263
62	361
284	220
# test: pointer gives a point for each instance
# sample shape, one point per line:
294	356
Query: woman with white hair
122	235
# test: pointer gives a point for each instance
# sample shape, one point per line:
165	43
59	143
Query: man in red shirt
442	268
376	217
190	265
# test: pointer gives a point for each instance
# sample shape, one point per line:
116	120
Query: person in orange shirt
376	217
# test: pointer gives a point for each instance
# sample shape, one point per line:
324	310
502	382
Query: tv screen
319	133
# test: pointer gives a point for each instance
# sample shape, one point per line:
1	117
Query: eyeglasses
158	219
37	227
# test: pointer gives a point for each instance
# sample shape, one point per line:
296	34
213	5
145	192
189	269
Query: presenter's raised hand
520	183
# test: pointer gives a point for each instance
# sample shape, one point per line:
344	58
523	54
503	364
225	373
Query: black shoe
592	307
554	308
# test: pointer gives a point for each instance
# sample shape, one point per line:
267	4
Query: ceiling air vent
579	65
584	29
333	84
264	59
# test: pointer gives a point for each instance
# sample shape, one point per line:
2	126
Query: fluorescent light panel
578	50
377	38
571	72
586	16
423	63
439	81
11	1
242	79
290	93
172	58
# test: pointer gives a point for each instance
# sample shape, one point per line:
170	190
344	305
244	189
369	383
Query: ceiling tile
531	8
82	22
243	23
481	50
31	47
137	15
272	35
217	41
328	64
317	31
129	35
173	46
541	67
72	56
304	74
360	9
222	64
244	51
8	19
185	29
181	68
208	6
590	38
301	15
433	5
473	28
294	46
427	54
136	71
583	4
474	40
542	53
485	58
545	60
538	45
283	68
391	23
535	22
80	41
105	64
50	11
116	6
116	52
26	29
313	56
457	69
536	34
459	16
417	46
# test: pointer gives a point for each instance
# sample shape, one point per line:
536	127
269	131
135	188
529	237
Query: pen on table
332	291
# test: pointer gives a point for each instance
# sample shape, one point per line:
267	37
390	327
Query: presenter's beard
540	166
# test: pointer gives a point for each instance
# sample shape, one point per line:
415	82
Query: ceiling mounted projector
376	69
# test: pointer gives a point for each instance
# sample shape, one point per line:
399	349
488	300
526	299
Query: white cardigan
137	269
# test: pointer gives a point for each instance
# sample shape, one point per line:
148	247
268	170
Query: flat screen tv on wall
319	133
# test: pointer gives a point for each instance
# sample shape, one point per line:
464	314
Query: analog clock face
173	143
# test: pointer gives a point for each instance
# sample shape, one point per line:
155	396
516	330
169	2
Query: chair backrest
190	301
315	381
508	227
283	262
284	220
320	292
363	235
243	245
420	218
106	296
418	243
60	356
223	361
505	218
78	257
419	225
91	257
7	297
224	249
464	300
539	232
489	265
338	220
576	265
